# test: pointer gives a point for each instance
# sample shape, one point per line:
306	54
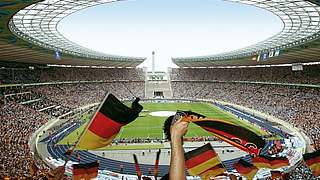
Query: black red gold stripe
233	134
246	169
86	171
313	162
270	162
107	122
203	161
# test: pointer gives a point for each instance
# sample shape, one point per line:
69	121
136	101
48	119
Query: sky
171	28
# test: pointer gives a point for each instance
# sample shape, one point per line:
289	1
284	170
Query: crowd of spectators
18	119
54	74
309	75
33	99
80	94
26	108
18	75
301	172
20	97
298	106
89	74
57	100
17	123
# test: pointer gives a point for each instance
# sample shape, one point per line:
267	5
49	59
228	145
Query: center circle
162	113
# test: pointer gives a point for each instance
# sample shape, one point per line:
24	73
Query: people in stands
26	108
299	106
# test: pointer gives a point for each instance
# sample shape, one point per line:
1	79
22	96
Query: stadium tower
153	62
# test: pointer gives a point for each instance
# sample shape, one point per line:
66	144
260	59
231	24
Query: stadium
51	90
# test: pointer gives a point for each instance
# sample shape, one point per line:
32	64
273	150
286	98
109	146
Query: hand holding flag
238	136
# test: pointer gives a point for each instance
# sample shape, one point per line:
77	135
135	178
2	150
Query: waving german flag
238	136
313	161
246	169
270	162
276	175
85	171
107	122
204	162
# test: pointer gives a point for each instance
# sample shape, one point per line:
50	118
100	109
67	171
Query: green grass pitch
151	126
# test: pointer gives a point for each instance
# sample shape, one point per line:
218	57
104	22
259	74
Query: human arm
177	162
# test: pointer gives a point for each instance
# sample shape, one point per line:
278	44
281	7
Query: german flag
246	169
107	122
213	172
204	162
276	175
278	162
313	161
270	162
85	171
261	162
236	135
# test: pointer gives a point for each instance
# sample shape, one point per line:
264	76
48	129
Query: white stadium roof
35	24
301	24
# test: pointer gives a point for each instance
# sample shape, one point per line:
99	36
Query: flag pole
139	174
225	168
86	128
156	166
